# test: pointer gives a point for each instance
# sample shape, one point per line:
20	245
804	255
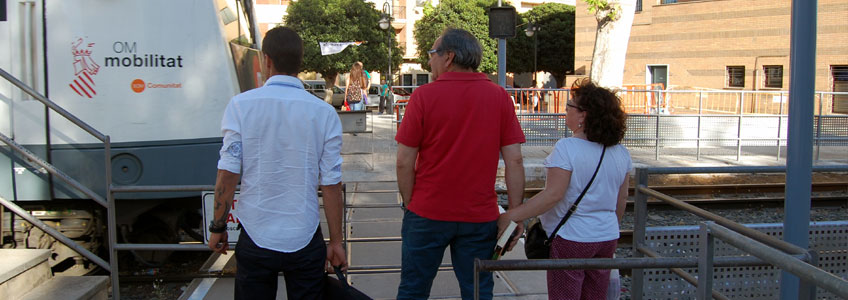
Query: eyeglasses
433	51
569	103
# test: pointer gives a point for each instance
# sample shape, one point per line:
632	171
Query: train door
22	118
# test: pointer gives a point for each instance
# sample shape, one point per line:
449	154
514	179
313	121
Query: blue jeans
424	243
357	106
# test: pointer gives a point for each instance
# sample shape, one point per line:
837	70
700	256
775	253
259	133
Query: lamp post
531	30
385	21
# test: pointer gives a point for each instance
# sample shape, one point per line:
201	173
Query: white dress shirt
285	142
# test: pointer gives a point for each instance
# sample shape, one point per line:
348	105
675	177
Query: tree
555	42
341	21
463	14
615	17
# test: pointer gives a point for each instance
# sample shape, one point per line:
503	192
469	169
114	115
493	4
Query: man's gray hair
466	47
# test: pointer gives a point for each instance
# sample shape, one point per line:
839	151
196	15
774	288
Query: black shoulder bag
538	243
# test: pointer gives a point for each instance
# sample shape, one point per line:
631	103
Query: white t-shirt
285	142
595	219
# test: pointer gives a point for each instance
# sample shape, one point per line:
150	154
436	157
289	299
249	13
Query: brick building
721	44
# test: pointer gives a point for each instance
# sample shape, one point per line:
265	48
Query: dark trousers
424	243
385	104
258	270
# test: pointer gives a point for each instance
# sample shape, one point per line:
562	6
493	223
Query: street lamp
531	30
385	21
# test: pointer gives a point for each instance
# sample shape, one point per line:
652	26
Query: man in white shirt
285	143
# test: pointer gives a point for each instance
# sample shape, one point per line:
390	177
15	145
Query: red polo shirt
458	123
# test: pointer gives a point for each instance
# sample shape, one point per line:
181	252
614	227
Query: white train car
154	75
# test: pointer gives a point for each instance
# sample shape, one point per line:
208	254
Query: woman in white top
597	121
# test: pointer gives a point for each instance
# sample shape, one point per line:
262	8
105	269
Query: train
155	76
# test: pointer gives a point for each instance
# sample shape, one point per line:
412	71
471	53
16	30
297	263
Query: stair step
21	270
71	288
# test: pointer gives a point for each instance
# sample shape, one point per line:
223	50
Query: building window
668	1
736	76
840	84
638	5
774	76
422	79
406	80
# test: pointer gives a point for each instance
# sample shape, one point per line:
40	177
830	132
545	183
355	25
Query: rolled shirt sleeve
231	152
330	164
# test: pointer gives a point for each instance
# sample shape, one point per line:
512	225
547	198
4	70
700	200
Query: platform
371	179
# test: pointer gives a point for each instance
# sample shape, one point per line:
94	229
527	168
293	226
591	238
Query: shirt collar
462	76
284	80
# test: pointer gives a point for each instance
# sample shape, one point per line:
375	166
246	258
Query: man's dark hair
285	48
466	47
605	121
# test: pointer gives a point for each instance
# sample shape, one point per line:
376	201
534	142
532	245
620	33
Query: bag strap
576	202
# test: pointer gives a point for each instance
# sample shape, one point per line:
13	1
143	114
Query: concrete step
21	270
71	288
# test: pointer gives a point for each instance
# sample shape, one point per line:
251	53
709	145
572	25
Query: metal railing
769	251
108	203
718	123
654	99
803	268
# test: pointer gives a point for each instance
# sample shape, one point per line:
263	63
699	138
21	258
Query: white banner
328	48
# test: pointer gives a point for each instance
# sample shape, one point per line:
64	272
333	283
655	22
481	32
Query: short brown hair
285	48
605	121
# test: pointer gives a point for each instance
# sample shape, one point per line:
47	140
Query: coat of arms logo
84	69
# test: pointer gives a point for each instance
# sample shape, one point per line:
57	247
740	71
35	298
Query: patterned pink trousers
579	284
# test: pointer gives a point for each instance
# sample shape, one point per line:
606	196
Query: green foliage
604	11
342	21
555	39
470	15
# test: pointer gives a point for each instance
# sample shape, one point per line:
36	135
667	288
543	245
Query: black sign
2	10
502	22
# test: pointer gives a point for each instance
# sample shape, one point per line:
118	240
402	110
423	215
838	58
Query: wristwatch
217	229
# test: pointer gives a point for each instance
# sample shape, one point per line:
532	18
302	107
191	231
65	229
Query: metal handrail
640	207
53	170
108	203
751	233
789	263
61	111
17	210
680	272
603	263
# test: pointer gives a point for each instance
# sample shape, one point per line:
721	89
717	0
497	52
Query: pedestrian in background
357	82
598	123
284	144
385	101
452	133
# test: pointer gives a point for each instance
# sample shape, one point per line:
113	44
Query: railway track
722	194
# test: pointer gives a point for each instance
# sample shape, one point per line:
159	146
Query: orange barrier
532	100
642	102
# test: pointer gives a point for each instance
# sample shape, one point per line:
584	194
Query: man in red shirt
448	146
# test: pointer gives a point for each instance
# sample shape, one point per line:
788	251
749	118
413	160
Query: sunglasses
571	104
433	51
